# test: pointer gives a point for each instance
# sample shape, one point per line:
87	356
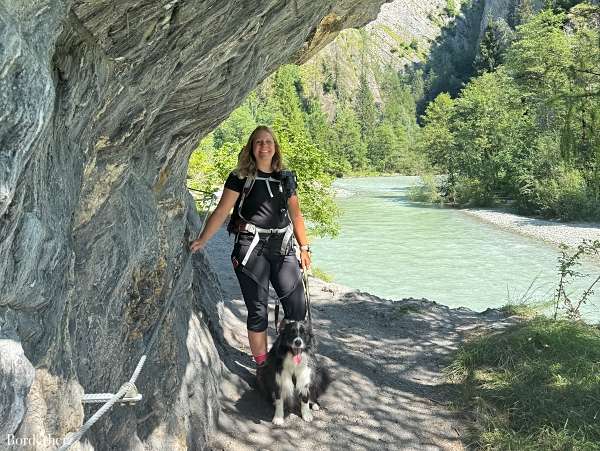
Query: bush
563	195
428	190
451	8
469	192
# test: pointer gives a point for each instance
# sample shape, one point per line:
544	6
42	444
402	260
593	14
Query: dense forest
527	128
519	123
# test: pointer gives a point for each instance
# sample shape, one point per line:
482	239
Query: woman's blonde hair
247	163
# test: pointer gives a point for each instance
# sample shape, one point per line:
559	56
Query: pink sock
259	359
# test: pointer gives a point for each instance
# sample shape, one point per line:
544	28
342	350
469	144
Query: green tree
348	145
581	140
559	72
538	58
491	133
210	166
286	98
494	43
236	128
311	165
384	147
366	111
323	137
399	103
437	140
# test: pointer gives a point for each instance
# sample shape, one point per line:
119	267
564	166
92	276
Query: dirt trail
386	359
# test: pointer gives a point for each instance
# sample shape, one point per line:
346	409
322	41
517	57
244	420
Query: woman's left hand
305	260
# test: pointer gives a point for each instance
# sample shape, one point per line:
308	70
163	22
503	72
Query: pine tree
384	148
436	138
348	145
287	100
366	111
495	41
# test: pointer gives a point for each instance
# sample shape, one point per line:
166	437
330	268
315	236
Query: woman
264	200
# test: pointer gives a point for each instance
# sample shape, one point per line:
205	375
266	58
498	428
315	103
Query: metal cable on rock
129	386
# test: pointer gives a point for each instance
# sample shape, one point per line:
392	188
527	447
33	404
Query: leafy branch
566	267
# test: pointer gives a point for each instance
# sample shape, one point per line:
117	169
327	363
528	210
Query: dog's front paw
306	414
314	406
277	420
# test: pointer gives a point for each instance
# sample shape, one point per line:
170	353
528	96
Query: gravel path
555	232
386	359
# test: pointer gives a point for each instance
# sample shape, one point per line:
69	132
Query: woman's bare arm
216	219
299	229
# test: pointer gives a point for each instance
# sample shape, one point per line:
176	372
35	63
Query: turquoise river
394	248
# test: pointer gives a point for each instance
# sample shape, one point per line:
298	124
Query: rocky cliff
101	104
409	35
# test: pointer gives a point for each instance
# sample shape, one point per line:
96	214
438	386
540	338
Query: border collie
292	371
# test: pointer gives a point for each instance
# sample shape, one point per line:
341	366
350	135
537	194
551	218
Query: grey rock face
410	20
16	376
101	104
405	35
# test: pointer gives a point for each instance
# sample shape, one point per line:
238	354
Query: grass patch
401	310
521	310
320	274
392	34
534	386
527	309
528	304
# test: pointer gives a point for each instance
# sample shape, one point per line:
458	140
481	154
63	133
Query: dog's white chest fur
294	372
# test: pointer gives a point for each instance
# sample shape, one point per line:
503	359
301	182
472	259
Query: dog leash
277	316
307	296
306	300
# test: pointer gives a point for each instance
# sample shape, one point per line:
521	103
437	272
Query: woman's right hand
216	219
196	245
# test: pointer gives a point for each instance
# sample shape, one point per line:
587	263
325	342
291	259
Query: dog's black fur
292	372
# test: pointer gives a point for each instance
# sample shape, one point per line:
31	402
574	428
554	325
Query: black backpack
288	182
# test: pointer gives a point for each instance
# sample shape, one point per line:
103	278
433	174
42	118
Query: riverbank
555	232
387	360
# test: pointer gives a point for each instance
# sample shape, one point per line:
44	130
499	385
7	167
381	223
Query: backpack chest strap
267	180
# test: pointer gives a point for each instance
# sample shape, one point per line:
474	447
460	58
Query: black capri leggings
266	264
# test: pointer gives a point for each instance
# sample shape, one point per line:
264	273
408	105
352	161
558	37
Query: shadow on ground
387	361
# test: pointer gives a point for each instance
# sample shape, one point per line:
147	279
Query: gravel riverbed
555	232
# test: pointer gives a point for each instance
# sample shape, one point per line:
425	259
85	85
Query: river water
395	248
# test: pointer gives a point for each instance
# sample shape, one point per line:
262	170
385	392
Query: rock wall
101	104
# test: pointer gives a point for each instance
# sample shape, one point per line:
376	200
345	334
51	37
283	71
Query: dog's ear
312	339
280	347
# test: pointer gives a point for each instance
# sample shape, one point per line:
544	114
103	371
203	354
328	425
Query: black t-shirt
259	207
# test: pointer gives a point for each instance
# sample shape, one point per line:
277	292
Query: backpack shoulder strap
247	188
